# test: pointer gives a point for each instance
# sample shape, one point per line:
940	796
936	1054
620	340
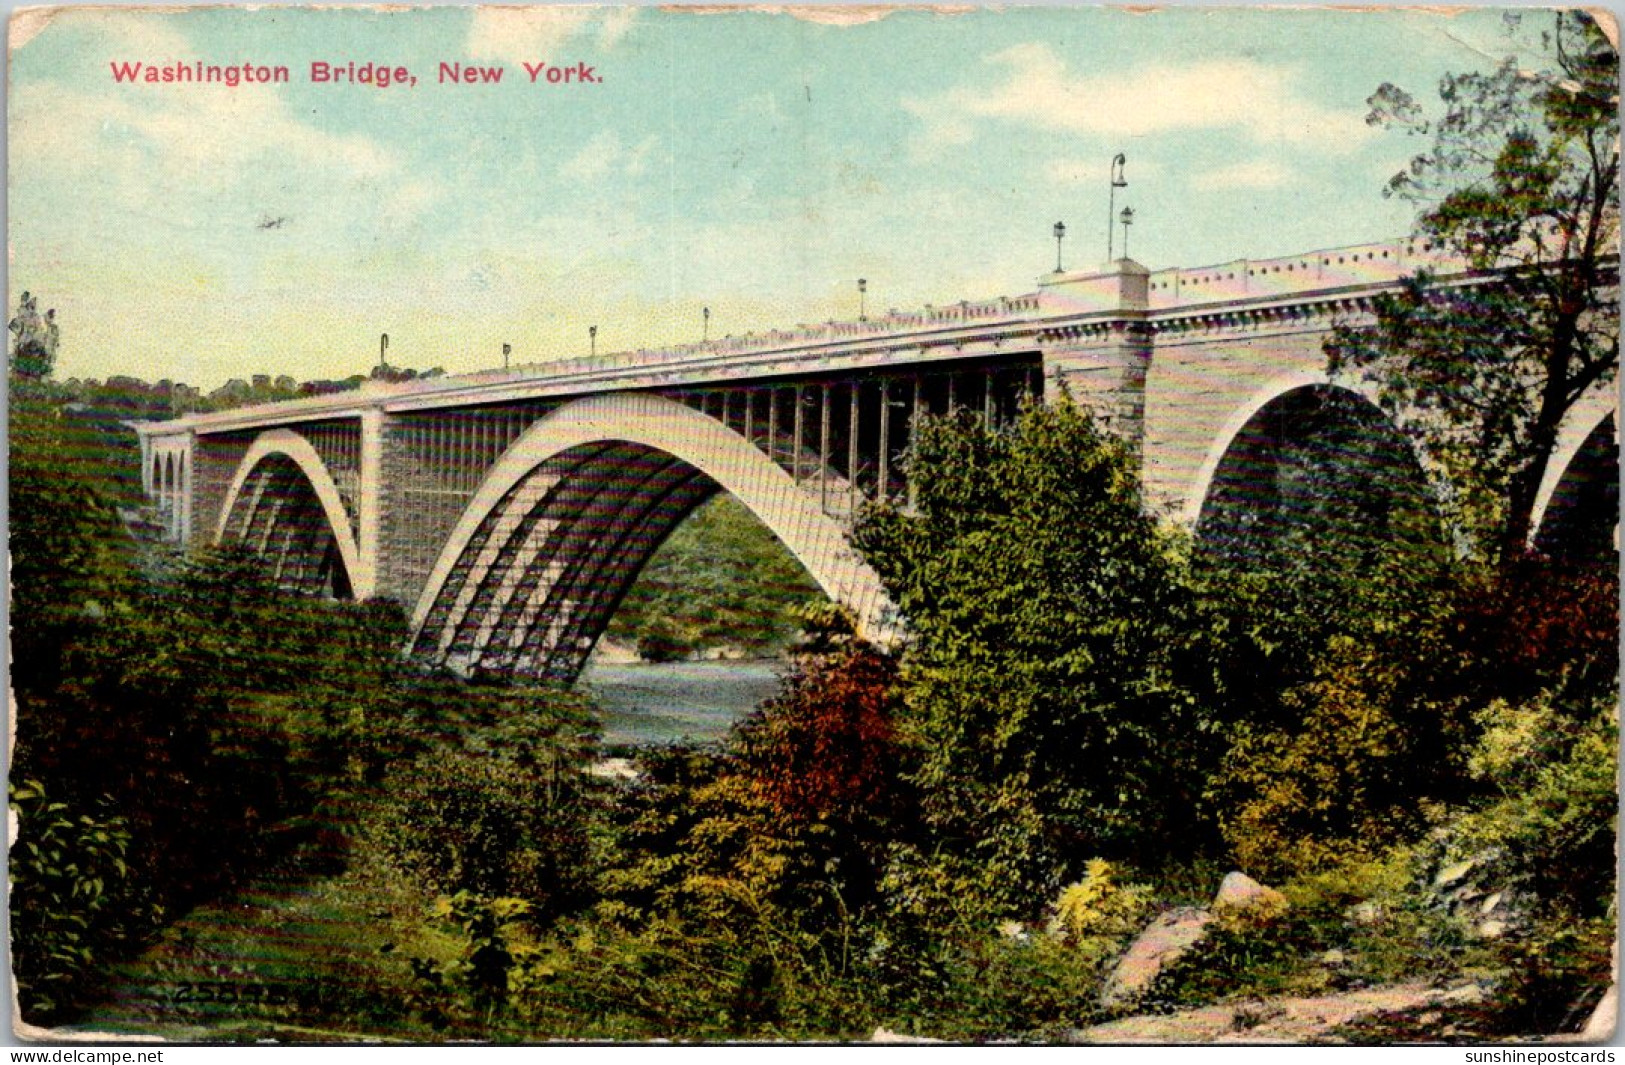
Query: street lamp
383	346
863	299
1127	218
1118	181
1060	231
705	329
507	349
592	339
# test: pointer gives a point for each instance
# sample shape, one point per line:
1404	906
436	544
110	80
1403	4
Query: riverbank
672	702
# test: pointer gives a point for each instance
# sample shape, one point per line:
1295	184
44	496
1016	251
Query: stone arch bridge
510	511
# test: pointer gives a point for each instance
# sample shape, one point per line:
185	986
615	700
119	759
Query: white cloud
1255	174
206	139
1090	171
1259	101
532	34
604	156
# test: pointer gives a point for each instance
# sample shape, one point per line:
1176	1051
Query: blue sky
754	163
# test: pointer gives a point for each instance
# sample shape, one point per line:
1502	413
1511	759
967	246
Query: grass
314	949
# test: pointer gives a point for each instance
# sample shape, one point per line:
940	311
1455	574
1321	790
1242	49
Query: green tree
721	579
1520	182
1048	695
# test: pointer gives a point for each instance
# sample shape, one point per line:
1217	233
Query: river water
672	701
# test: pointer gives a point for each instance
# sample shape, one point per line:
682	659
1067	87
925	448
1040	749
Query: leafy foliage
1522	179
1549	827
1343	779
1099	907
69	873
721	580
504	815
1050	705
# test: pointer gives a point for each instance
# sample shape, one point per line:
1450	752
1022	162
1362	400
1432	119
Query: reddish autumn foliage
824	749
1541	619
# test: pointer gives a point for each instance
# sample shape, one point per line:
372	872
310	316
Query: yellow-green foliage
1099	907
1516	740
1551	828
1332	788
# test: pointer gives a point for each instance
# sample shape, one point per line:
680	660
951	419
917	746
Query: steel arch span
566	518
283	503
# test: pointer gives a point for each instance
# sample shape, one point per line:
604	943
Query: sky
752	163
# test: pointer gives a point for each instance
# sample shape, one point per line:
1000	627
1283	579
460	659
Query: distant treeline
102	409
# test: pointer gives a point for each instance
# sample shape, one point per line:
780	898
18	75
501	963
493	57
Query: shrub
506	814
1099	908
1051	707
1549	827
1344	780
482	975
73	900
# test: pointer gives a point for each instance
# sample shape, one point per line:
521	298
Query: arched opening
565	549
1316	476
1582	518
721	585
700	638
573	511
278	514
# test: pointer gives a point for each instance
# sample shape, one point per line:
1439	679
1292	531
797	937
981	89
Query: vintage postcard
833	523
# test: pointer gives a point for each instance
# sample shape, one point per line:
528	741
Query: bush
1052	706
1099	908
506	815
73	899
1549	828
1344	778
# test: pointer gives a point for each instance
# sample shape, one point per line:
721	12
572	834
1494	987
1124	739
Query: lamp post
507	349
1127	218
383	346
705	328
592	340
1060	231
863	299
1118	181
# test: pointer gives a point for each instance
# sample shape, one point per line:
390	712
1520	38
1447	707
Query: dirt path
1279	1020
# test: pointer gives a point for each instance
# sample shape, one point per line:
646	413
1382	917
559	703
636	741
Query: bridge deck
969	329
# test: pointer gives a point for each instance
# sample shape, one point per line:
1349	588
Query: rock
886	1035
1167	938
1465	995
1453	873
614	769
1366	913
1239	893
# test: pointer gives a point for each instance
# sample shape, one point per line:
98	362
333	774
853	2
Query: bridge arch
1266	471
283	497
1579	493
1223	439
564	521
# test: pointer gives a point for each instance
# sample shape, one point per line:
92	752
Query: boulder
1166	939
1240	893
